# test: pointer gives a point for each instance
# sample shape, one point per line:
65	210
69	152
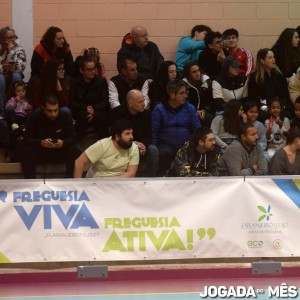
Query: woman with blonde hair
268	83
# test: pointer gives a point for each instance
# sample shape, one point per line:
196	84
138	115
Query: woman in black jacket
200	95
268	83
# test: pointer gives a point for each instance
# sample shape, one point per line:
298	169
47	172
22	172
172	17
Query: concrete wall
103	23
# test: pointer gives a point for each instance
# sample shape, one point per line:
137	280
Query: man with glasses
89	101
173	122
12	62
211	57
137	47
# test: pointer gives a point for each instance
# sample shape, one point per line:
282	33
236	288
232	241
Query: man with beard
244	157
115	156
197	157
49	138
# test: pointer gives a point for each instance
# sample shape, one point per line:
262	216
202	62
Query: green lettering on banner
158	242
173	242
114	243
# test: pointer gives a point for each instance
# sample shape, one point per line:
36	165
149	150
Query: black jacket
148	59
93	94
39	127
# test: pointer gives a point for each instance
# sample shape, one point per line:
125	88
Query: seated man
137	47
189	47
244	56
173	122
211	57
244	157
135	112
115	156
89	100
49	138
127	80
197	157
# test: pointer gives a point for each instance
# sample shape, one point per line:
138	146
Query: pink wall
103	23
5	13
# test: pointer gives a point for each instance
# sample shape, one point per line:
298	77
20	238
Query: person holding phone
49	138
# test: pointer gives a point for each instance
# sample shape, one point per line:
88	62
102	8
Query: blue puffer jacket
173	126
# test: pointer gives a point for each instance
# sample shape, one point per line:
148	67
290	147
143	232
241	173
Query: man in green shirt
115	156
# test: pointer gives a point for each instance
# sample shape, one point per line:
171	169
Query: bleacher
13	170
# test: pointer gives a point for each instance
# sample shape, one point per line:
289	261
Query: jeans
34	155
151	161
14	77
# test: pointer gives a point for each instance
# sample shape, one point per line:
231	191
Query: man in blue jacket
173	123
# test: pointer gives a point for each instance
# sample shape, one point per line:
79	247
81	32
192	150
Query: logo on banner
264	222
277	244
69	207
255	244
266	213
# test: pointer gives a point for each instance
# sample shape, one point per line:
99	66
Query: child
251	115
296	120
17	107
277	128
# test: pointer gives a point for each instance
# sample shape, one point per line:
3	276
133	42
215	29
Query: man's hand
255	167
220	56
201	114
10	45
47	143
142	147
90	113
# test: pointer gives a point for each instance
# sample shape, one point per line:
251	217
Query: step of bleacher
14	171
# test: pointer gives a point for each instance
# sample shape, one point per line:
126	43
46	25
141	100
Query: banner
138	219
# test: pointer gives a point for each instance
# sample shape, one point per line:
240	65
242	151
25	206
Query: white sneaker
14	126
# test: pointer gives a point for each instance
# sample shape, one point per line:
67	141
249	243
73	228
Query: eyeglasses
61	69
183	93
90	69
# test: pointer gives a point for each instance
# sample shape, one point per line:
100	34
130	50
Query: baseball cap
230	61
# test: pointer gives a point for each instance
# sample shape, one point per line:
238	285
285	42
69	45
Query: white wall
22	21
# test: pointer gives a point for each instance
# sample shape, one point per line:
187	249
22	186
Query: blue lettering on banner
77	215
83	217
37	196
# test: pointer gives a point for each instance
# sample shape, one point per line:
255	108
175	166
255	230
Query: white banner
108	220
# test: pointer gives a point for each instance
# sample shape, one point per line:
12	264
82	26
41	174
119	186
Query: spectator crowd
211	112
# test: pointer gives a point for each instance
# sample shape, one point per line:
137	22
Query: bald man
135	112
137	47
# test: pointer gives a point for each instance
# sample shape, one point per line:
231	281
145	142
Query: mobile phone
54	141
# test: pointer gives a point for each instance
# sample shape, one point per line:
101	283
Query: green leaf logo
266	213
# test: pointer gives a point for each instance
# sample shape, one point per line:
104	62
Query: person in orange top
52	45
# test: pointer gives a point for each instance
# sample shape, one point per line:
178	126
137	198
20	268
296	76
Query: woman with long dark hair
287	52
226	126
52	45
53	82
158	88
200	93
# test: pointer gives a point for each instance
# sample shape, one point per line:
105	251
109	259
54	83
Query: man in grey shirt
244	157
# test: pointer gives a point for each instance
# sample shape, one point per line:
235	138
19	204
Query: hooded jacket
148	59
